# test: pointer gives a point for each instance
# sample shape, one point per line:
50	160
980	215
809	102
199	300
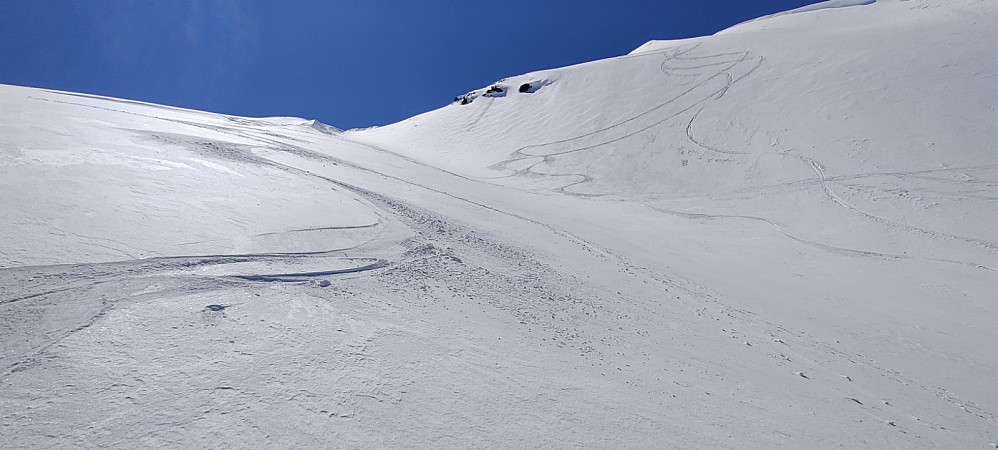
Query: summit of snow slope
777	236
658	45
830	4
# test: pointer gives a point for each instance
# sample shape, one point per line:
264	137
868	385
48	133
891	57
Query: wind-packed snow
781	235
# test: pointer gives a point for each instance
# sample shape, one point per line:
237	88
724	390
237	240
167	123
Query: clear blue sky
348	63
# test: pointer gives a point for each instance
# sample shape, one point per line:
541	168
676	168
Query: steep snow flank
702	124
865	134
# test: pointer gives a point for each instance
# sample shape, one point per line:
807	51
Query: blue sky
348	63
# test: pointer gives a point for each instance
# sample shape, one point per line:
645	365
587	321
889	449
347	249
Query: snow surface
830	4
781	235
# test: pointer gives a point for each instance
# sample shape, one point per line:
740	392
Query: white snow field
784	235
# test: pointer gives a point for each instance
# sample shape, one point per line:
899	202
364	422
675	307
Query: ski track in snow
644	121
692	67
819	172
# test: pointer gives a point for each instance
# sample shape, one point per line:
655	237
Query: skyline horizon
349	66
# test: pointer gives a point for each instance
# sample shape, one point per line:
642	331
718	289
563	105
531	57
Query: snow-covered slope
92	180
777	236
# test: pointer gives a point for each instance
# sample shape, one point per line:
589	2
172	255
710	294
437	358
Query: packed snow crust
779	236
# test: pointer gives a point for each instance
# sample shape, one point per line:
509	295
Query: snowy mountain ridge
658	45
829	4
776	236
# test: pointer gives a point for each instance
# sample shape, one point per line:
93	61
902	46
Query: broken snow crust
780	237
